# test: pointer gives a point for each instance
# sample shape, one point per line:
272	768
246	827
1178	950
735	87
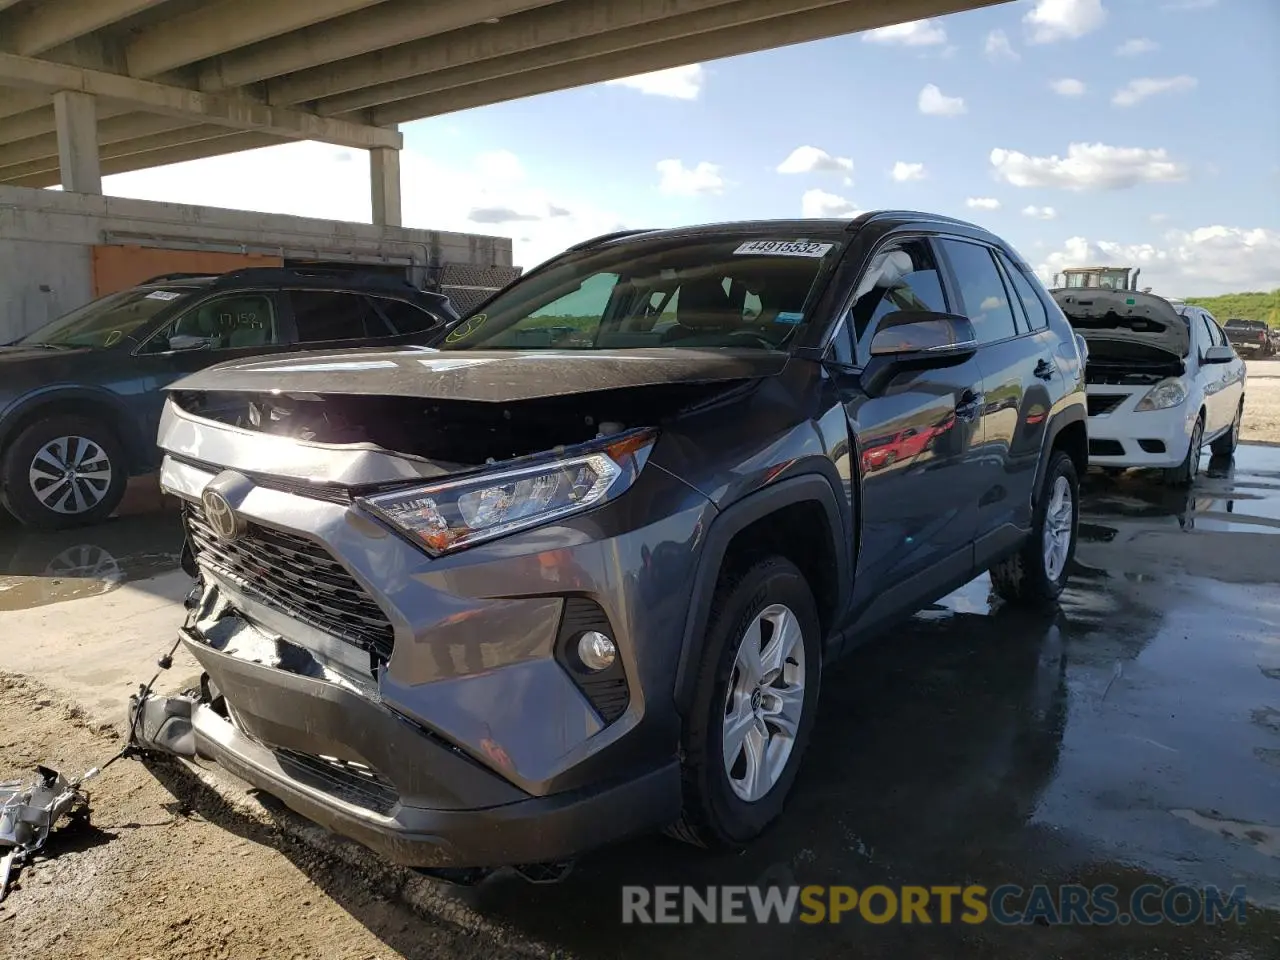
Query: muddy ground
165	869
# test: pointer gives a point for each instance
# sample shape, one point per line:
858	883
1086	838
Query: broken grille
296	576
351	782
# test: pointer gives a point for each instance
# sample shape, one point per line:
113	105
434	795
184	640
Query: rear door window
1032	305
325	315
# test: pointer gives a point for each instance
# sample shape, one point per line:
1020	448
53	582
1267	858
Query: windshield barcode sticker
163	295
784	248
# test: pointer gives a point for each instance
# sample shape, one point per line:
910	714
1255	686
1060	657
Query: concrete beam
231	143
384	183
465	58
51	22
36	123
14	102
845	17
113	130
214	28
223	110
124	148
385	25
6	4
77	141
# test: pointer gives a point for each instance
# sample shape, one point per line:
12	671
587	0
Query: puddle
38	568
1263	838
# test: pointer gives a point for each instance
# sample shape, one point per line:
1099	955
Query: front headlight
1165	394
448	516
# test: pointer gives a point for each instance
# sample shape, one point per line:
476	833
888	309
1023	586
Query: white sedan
1162	381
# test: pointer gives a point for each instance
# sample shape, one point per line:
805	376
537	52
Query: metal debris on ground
27	815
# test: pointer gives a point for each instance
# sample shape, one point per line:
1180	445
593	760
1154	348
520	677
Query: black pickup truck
1252	335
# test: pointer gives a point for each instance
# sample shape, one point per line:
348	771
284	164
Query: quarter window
986	302
403	317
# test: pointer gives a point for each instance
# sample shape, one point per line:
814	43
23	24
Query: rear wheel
1037	573
1225	445
1185	473
753	707
65	471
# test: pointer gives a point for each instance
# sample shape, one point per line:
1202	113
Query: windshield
104	322
671	292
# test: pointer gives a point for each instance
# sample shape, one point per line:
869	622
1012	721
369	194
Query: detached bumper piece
361	770
28	815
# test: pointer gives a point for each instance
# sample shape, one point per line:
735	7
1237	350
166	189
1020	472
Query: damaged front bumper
446	810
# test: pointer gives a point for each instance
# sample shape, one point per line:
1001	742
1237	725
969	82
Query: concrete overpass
94	87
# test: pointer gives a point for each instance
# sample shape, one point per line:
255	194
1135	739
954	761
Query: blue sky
1149	129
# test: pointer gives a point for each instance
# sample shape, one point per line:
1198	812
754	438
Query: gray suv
576	575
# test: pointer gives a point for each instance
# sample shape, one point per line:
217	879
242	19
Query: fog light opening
596	651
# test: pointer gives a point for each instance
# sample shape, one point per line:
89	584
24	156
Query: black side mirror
917	340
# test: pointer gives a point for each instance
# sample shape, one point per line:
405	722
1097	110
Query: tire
38	497
719	810
1033	576
1183	474
1225	445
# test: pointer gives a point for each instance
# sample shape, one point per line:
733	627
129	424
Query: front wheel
1185	473
1037	573
753	708
62	472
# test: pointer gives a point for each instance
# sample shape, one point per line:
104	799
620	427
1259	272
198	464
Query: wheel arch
1068	432
99	405
789	517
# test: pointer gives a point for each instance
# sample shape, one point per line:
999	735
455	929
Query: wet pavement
1133	735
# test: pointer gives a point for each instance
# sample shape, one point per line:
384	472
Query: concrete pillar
76	117
384	179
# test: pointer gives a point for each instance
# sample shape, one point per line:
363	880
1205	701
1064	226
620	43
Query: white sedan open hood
1126	316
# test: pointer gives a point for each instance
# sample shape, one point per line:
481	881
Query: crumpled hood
1126	316
496	376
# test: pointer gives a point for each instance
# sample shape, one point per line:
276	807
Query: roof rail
167	277
871	216
364	278
606	237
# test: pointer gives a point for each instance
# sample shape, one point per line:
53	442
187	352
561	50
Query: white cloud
998	47
1190	4
1040	213
982	203
903	171
679	83
1136	47
1135	91
1158	217
1207	260
917	33
1067	87
489	194
814	160
933	102
1052	20
680	181
1088	166
819	203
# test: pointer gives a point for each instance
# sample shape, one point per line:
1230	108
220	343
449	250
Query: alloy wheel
70	475
1058	522
764	702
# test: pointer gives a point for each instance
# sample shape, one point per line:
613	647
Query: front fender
93	402
733	520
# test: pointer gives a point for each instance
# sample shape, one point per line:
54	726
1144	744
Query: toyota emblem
220	516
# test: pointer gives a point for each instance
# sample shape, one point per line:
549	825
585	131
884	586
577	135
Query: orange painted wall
117	268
